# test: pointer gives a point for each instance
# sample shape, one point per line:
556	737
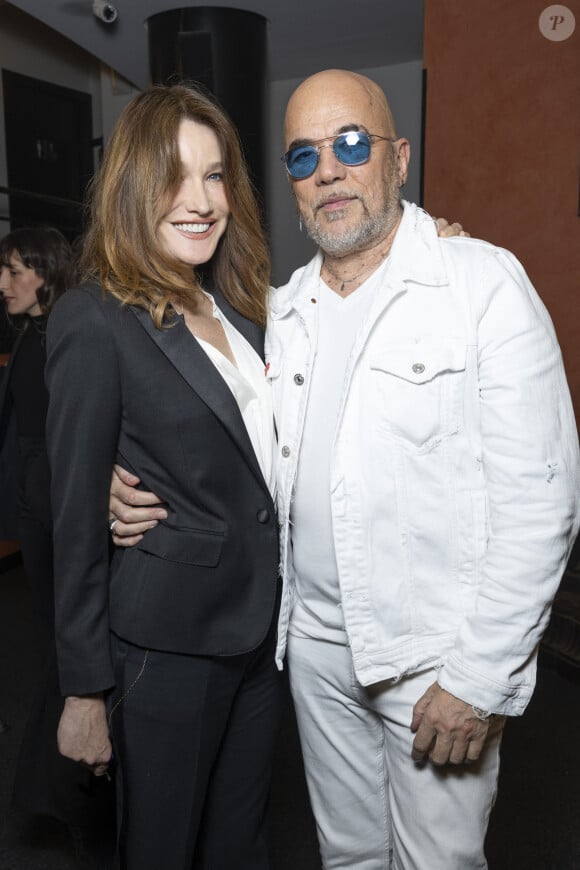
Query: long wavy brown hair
133	190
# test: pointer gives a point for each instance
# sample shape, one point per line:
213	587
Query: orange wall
502	143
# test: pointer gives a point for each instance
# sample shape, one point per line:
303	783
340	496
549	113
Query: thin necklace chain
366	268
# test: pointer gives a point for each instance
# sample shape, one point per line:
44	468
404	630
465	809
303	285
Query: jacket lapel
193	364
253	333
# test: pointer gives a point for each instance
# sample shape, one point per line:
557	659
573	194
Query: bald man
427	489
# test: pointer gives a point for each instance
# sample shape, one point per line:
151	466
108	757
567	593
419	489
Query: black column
225	50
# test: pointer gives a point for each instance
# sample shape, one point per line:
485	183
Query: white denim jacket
454	468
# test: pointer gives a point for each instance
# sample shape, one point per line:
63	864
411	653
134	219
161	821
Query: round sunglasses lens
301	162
352	148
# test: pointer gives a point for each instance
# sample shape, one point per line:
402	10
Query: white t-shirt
317	611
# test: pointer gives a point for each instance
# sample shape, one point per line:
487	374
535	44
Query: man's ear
403	153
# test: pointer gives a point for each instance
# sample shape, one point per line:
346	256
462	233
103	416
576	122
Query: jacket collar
415	257
193	364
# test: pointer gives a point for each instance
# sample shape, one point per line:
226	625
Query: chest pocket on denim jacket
418	388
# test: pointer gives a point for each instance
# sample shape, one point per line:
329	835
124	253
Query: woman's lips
194	230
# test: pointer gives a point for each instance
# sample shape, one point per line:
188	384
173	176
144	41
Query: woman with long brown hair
155	362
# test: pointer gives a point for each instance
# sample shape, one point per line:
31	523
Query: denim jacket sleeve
529	454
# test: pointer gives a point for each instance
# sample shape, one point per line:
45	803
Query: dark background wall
502	142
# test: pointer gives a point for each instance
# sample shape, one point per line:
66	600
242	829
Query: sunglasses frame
331	141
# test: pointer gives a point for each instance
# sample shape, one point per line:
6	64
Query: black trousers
194	737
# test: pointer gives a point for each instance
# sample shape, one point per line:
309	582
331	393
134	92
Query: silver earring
300	224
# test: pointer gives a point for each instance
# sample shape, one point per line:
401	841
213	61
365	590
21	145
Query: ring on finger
112	524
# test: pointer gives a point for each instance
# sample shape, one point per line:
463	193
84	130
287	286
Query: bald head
320	97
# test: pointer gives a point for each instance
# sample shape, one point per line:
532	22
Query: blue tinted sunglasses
351	149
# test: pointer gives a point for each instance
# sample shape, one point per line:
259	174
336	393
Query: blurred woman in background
36	269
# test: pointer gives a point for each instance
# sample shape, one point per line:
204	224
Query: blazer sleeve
82	432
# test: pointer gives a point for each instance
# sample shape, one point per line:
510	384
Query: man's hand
445	230
447	729
135	511
83	732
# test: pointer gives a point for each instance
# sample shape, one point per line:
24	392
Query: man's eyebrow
346	128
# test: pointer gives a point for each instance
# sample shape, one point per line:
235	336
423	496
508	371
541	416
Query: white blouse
251	390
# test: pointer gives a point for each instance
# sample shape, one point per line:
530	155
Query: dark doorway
49	152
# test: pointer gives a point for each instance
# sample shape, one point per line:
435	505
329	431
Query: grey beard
367	232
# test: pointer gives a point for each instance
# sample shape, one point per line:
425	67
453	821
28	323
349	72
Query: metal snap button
285	452
418	368
299	379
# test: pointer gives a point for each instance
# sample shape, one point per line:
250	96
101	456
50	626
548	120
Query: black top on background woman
154	368
36	269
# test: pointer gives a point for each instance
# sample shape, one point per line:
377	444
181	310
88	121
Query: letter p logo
557	23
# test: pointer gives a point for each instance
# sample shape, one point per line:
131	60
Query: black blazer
202	582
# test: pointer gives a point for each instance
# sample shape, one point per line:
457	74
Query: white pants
374	807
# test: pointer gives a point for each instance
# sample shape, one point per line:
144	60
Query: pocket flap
188	546
421	361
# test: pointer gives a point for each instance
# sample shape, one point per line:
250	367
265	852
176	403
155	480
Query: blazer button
263	516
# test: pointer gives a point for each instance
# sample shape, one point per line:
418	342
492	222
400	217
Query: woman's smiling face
198	215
